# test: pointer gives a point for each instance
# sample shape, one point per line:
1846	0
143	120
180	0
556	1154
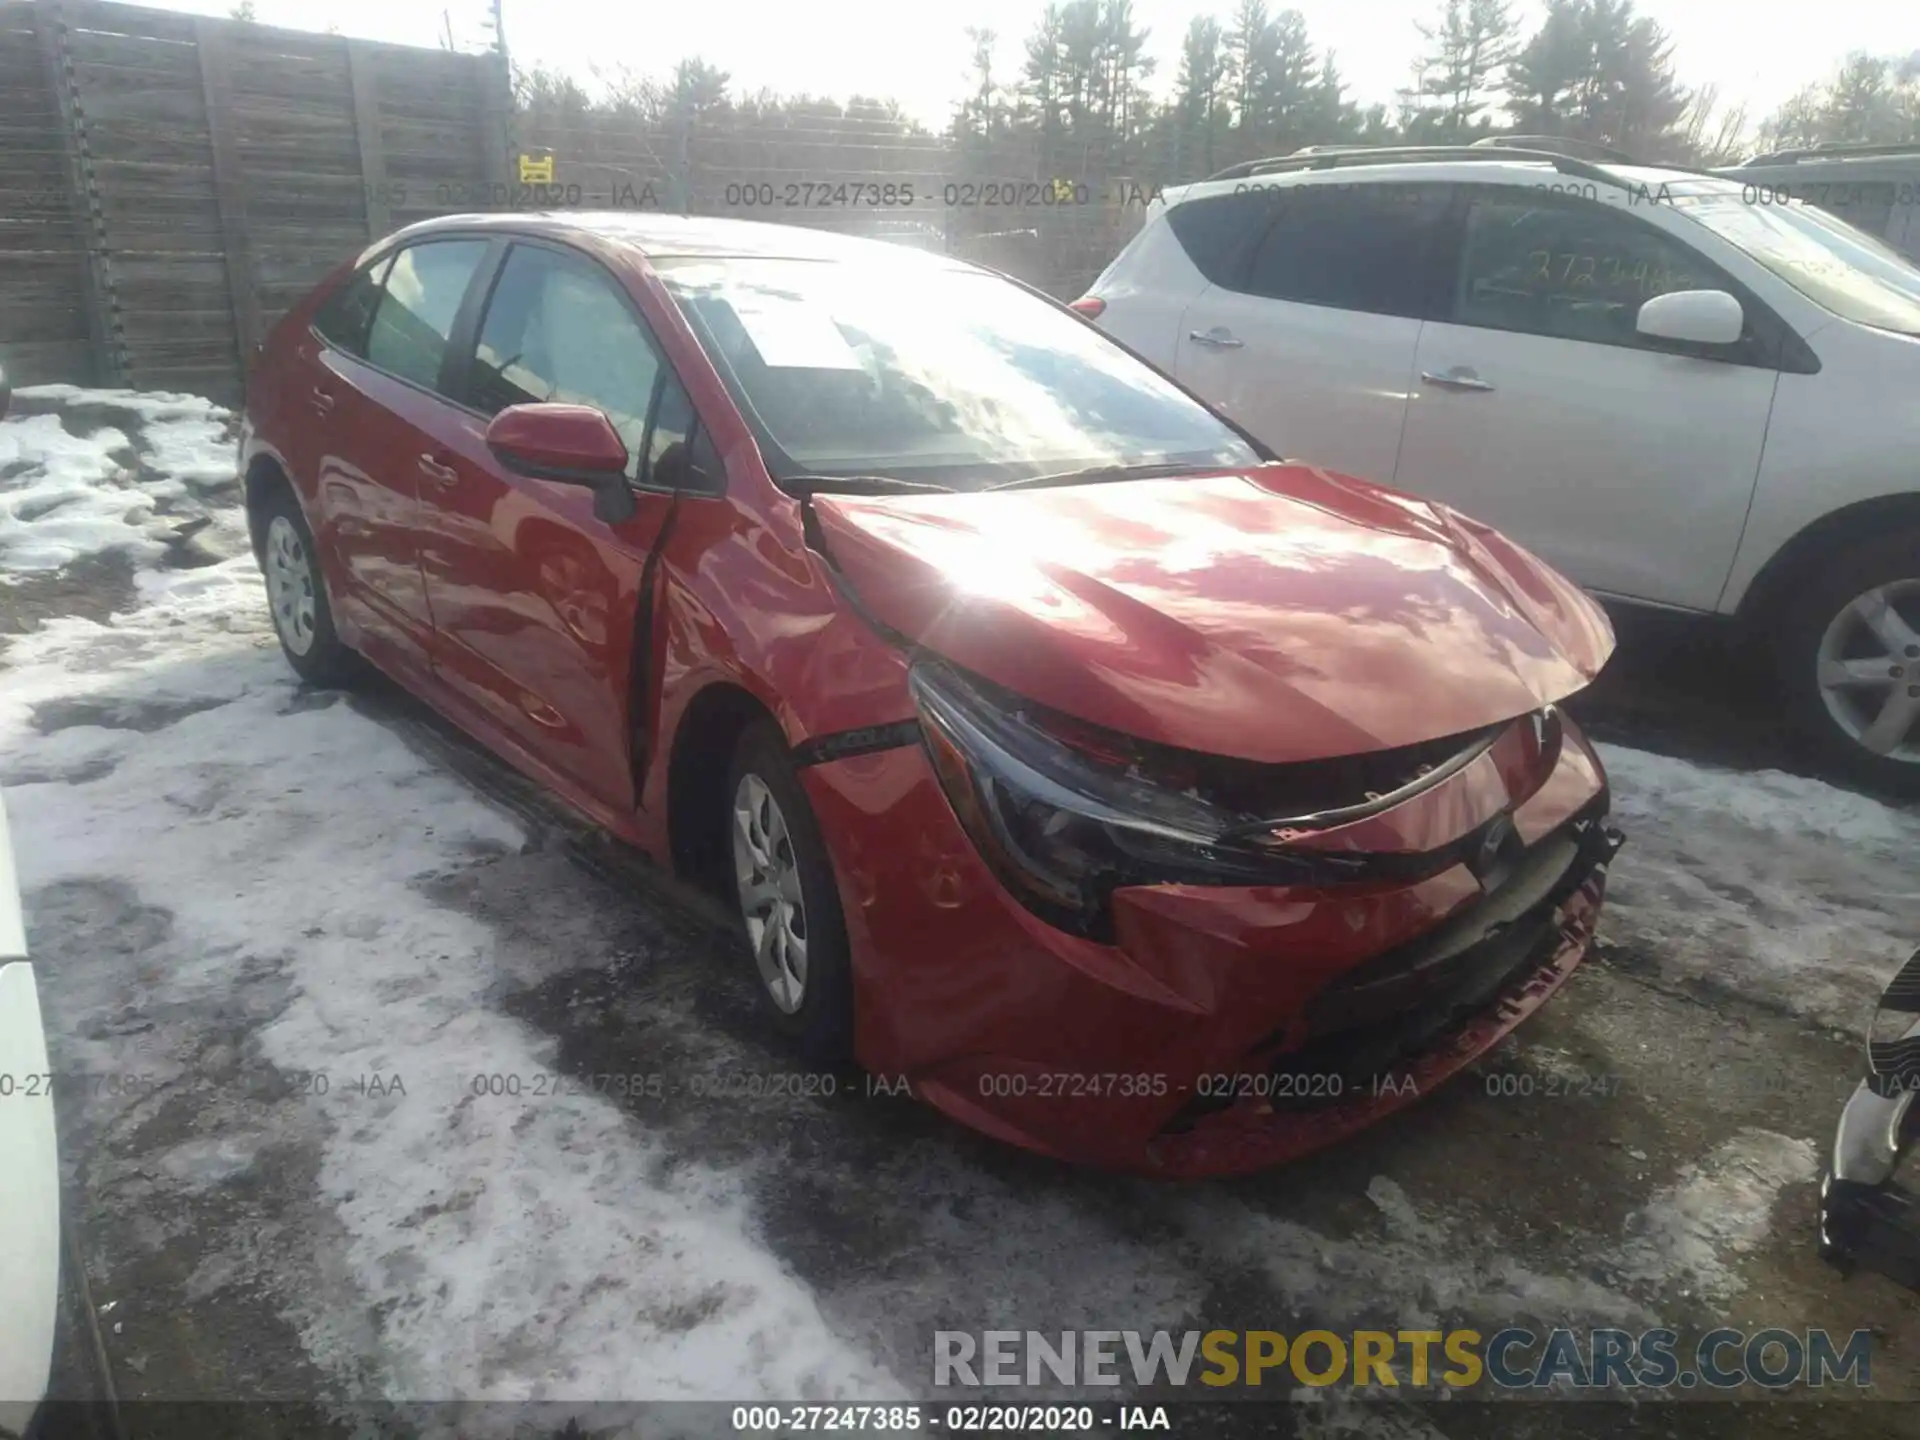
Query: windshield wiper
861	485
1098	473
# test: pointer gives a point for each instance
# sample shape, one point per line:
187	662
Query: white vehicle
1677	392
29	1164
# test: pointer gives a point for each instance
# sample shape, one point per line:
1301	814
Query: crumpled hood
1277	614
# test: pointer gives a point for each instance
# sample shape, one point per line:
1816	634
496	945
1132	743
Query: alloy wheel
1869	670
767	875
290	585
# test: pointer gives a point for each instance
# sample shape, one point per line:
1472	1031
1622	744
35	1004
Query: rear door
1627	462
372	396
534	598
1308	340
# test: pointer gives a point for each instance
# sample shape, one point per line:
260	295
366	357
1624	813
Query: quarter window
1217	231
557	329
417	308
344	316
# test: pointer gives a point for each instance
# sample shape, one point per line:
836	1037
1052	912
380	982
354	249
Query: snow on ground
1792	892
514	1252
64	496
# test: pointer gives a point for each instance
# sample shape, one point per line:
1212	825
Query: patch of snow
1421	1271
65	496
1720	1209
149	405
1788	891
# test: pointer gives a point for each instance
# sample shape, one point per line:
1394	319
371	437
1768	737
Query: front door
534	598
1626	462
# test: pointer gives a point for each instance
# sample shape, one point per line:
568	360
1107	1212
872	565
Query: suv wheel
297	594
788	900
1853	663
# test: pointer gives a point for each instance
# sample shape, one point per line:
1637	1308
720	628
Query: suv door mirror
570	444
1695	317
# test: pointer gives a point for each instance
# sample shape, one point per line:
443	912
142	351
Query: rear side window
417	307
344	316
1218	232
1379	248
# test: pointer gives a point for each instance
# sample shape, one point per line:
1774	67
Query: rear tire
297	594
1851	663
789	903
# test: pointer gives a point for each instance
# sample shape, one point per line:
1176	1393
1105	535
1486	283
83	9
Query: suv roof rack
1556	145
1830	151
1333	157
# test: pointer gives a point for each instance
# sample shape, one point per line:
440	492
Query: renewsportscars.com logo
1509	1359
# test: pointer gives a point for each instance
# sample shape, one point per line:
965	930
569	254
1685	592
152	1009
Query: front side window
557	329
1569	269
417	307
1376	248
922	371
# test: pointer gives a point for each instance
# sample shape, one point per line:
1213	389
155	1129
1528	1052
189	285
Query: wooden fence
170	184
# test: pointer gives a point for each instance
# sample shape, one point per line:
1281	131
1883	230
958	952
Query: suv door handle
322	400
1460	377
1219	338
441	475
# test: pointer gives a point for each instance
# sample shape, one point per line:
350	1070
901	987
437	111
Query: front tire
297	594
788	900
1852	663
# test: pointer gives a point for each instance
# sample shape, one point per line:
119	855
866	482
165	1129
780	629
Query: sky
917	53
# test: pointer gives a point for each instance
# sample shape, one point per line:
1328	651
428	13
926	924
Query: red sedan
1134	795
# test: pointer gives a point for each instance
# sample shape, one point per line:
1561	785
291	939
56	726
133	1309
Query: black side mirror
613	501
680	467
1866	1217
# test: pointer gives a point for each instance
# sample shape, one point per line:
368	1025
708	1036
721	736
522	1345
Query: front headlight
1063	825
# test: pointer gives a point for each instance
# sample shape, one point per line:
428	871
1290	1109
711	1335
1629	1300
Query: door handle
1461	377
441	475
322	401
1219	338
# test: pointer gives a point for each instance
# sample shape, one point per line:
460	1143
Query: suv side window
1375	247
1573	269
344	316
557	328
415	315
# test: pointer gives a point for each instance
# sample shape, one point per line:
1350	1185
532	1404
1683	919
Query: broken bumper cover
1177	1048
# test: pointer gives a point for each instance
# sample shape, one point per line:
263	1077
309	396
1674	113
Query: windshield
1820	255
930	373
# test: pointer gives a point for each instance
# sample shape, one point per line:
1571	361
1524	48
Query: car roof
659	236
1437	171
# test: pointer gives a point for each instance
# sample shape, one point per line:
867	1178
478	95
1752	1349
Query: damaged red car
1137	796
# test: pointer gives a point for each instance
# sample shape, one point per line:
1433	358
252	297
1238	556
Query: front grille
1383	1013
